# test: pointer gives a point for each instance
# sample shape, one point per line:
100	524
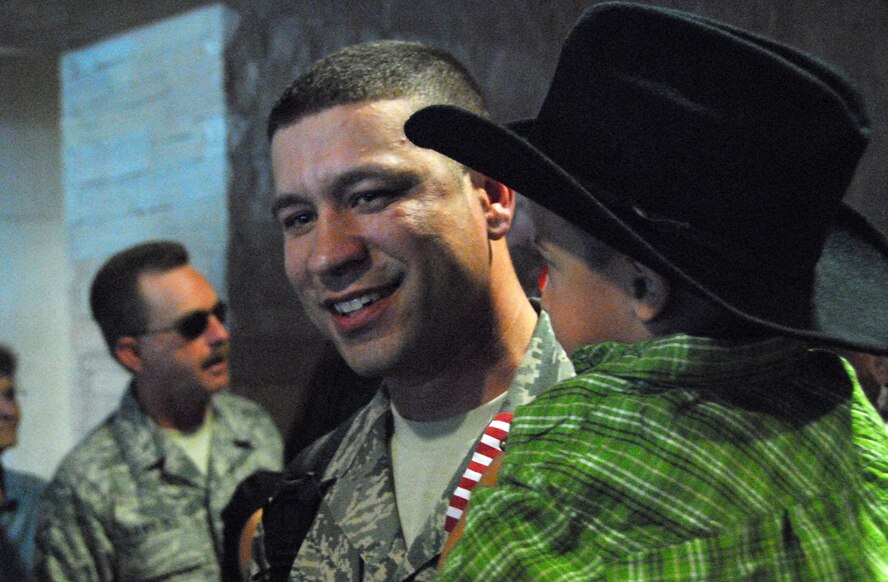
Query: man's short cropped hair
114	297
374	71
8	361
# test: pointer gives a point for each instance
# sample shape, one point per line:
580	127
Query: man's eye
295	221
372	199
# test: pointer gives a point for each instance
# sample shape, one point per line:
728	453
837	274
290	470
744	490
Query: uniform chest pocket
164	550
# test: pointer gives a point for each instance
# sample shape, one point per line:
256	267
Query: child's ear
650	292
498	202
880	369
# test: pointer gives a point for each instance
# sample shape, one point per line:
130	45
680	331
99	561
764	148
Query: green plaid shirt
684	458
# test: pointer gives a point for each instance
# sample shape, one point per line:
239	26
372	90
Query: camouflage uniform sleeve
71	542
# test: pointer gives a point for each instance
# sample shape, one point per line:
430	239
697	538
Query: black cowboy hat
710	154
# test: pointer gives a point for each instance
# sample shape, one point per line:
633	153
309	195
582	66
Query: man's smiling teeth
351	306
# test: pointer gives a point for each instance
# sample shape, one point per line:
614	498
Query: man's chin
215	378
367	363
215	386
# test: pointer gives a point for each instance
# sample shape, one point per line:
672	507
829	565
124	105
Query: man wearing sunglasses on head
141	497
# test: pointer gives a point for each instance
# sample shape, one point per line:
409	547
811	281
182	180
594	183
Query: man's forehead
176	291
401	106
362	120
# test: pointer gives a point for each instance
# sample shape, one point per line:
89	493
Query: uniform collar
693	361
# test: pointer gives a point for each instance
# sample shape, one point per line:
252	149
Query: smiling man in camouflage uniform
141	497
400	257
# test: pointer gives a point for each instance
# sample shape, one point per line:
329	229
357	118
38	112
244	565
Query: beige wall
34	313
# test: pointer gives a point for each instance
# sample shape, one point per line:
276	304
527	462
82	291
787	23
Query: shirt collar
693	361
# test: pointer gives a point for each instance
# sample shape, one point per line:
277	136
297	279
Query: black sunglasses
194	324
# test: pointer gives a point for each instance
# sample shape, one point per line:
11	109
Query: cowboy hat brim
844	304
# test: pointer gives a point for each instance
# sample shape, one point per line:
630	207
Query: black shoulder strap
288	514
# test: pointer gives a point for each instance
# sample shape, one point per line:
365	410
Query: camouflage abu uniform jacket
357	532
18	518
128	504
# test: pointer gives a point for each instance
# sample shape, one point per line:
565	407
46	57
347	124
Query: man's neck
481	371
161	406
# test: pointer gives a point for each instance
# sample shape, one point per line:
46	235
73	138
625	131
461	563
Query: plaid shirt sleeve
605	481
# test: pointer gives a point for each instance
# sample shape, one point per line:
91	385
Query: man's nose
337	246
216	330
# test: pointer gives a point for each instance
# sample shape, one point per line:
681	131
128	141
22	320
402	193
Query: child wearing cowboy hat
700	259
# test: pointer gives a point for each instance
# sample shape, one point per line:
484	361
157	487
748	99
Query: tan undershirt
426	455
197	444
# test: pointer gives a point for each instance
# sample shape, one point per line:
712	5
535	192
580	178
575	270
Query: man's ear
498	203
127	350
650	292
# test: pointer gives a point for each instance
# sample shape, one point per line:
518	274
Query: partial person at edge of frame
19	491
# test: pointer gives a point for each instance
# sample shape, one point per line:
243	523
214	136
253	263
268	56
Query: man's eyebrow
396	178
283	201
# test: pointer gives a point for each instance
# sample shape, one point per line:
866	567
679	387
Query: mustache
219	354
